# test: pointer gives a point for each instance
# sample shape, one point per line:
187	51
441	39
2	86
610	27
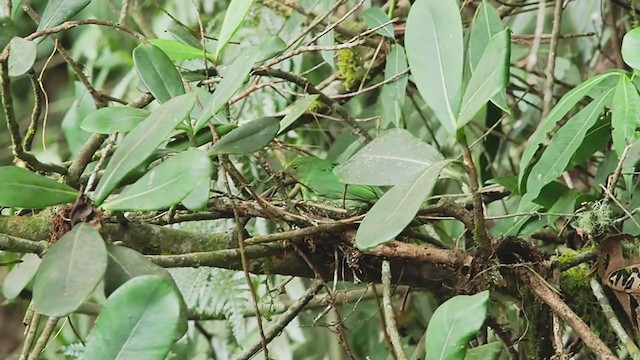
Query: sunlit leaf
177	50
22	188
141	142
247	138
157	72
70	270
114	119
433	40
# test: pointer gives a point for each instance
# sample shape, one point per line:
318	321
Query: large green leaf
20	276
631	48
563	145
568	101
23	189
22	55
490	76
435	52
454	324
58	11
231	82
177	51
388	160
625	114
69	271
233	18
114	119
248	138
138	321
197	199
166	184
374	17
157	72
397	207
141	142
296	110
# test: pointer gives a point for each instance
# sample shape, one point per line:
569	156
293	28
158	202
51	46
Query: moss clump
595	220
567	258
349	64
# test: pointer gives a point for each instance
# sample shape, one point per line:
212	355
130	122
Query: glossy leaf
625	114
58	11
374	17
141	142
247	138
22	55
70	270
631	48
177	51
166	184
22	188
434	46
388	160
490	351
233	18
157	72
397	207
114	119
138	321
20	276
561	148
231	82
490	76
454	324
568	101
296	110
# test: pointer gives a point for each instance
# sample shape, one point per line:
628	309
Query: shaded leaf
7	31
271	47
166	184
247	138
23	189
397	207
233	18
625	114
393	93
454	324
177	50
138	321
58	11
490	76
374	17
20	276
296	110
114	119
22	55
433	40
70	270
388	160
157	72
490	351
141	142
198	197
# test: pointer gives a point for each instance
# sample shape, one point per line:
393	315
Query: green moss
349	64
567	258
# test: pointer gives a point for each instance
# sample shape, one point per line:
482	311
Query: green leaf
568	101
397	207
393	93
235	14
490	76
141	142
82	106
177	51
199	196
388	160
296	110
58	11
22	55
374	17
631	48
454	324
23	189
114	119
70	270
490	351
561	148
138	321
625	114
247	138
7	31
166	184
20	276
157	72
231	82
270	48
434	45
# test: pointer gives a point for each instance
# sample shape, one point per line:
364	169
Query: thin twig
392	329
532	59
49	326
551	62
